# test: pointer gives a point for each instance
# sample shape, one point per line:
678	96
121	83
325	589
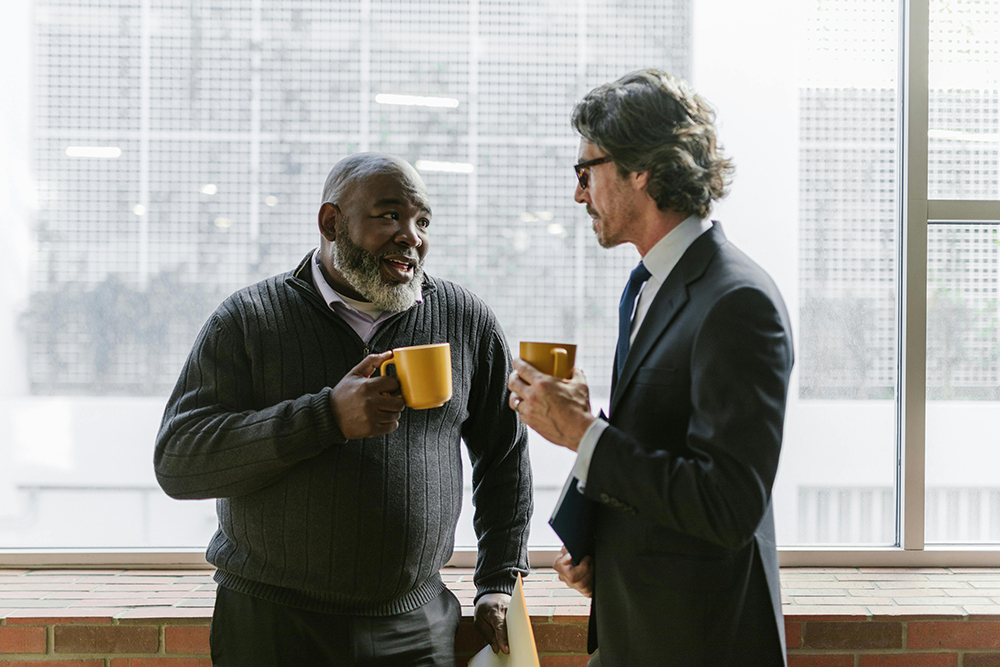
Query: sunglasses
583	175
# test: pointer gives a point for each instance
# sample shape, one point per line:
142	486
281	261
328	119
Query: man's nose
580	196
409	234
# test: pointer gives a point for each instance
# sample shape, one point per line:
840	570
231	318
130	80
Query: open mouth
399	268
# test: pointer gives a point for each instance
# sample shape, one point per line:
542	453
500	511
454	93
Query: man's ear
640	180
329	220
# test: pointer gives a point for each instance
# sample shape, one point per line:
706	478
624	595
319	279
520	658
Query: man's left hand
491	620
558	409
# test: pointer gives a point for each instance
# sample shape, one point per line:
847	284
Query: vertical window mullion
913	285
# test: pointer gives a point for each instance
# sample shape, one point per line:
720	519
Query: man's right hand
579	577
364	406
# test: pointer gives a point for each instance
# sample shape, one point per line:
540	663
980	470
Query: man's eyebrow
394	201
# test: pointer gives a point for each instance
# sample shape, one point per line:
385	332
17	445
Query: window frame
915	213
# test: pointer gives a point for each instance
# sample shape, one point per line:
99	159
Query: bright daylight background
217	121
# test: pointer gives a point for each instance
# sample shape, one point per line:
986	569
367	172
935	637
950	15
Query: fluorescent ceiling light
955	135
139	209
454	167
209	189
93	151
416	101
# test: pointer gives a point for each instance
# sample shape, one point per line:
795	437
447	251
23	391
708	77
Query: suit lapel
669	300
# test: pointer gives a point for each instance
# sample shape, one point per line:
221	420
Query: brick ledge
850	617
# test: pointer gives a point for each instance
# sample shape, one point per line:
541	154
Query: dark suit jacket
686	571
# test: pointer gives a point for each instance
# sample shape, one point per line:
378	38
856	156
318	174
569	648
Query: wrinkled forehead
395	186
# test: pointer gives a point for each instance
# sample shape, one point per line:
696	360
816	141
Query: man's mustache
410	255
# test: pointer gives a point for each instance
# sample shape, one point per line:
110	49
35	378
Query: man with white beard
337	507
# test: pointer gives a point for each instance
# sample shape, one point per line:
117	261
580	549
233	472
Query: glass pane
836	484
963	383
113	260
964	133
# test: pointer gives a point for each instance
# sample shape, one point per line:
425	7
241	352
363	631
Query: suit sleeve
717	487
501	472
212	442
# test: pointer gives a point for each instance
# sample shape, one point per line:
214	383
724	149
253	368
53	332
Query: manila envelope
519	635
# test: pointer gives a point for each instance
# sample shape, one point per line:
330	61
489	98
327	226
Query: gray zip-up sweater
309	519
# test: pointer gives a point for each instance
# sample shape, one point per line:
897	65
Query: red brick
186	639
953	634
560	638
820	660
468	639
866	635
910	660
113	639
60	620
793	634
981	660
564	660
161	662
583	618
22	639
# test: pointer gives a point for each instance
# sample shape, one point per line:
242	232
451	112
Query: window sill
194	558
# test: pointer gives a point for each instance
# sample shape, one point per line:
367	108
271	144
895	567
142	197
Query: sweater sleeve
213	443
501	471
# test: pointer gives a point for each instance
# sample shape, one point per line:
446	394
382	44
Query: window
175	151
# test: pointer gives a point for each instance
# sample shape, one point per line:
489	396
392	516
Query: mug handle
560	361
390	360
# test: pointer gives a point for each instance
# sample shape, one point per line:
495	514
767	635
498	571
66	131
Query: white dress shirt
659	261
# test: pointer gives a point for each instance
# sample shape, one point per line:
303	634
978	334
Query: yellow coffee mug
551	358
424	374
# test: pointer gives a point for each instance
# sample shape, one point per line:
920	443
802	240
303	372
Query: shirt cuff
585	451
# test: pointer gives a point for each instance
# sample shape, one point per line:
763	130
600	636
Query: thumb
500	625
370	364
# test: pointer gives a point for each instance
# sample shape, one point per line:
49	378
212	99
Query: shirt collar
329	294
664	256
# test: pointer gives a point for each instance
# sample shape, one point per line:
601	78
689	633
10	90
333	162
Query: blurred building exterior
228	116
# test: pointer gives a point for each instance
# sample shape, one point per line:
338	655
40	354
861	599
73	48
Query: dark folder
572	519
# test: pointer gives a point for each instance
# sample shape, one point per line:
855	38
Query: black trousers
250	632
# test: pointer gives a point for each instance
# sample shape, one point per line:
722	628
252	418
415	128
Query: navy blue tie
640	274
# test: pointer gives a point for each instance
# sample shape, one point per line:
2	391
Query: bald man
337	505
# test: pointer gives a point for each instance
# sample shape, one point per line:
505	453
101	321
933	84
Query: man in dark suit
684	570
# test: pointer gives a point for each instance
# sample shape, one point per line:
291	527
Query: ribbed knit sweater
310	519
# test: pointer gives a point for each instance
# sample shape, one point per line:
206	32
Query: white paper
519	635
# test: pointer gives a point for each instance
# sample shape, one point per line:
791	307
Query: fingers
528	373
563	566
490	620
501	634
579	577
486	624
370	364
517	391
384	385
517	384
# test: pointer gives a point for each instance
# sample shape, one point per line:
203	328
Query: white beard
363	271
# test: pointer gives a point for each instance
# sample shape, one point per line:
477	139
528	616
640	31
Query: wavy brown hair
652	121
